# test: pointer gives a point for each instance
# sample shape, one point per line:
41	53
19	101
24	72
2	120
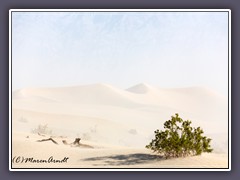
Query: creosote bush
179	139
42	129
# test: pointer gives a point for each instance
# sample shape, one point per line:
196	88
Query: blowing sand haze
113	125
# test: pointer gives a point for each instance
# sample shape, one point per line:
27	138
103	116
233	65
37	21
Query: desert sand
115	125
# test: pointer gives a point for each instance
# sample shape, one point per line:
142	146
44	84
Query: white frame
120	10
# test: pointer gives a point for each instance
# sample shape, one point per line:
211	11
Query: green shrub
179	139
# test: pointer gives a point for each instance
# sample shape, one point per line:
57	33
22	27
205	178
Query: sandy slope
102	156
103	114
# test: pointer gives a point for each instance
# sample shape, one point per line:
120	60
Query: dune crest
108	114
140	88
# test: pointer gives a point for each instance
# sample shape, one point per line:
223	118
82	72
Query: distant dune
101	113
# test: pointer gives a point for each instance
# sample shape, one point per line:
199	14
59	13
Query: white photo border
119	169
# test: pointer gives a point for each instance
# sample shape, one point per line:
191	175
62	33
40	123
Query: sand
116	123
101	156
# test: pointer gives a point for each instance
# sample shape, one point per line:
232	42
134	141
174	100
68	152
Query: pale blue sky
164	49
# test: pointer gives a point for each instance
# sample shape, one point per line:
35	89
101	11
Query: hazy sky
164	49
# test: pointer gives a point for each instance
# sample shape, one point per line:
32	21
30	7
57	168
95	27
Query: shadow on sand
130	159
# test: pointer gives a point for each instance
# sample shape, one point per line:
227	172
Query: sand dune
25	146
103	114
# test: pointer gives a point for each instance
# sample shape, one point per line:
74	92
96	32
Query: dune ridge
113	117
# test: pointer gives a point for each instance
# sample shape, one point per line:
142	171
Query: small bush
133	131
179	141
42	129
23	120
